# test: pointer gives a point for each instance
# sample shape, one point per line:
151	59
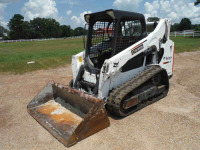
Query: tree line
38	28
185	24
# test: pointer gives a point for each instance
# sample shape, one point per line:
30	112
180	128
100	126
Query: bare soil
171	123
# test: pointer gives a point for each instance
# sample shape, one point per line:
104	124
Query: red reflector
166	62
173	59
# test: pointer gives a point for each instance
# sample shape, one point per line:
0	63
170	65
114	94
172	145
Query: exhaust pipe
68	114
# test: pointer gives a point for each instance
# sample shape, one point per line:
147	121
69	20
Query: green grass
48	54
186	44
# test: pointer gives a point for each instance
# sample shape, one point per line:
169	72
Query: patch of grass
186	44
48	54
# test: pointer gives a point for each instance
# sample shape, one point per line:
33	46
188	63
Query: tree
175	27
18	28
197	2
79	31
27	30
2	31
65	31
38	28
153	19
185	24
53	28
197	28
45	28
71	32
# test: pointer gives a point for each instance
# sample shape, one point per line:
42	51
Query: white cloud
69	12
2	8
172	9
2	19
40	8
175	10
173	16
131	5
165	6
148	7
147	16
76	20
3	23
79	21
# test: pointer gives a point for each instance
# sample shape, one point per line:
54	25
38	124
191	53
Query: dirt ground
171	123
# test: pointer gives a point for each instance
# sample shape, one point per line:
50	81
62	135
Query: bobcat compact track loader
122	69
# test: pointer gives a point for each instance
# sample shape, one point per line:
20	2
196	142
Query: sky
71	12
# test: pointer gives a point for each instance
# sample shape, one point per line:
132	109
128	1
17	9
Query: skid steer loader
121	70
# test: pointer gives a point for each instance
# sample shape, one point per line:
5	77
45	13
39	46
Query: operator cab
109	33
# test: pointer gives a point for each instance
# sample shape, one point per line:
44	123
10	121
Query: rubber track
115	97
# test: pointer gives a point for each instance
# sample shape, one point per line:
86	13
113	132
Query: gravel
171	123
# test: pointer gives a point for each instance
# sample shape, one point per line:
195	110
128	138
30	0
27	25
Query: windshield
101	42
129	32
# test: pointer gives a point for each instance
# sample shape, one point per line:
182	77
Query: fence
185	33
175	34
27	40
